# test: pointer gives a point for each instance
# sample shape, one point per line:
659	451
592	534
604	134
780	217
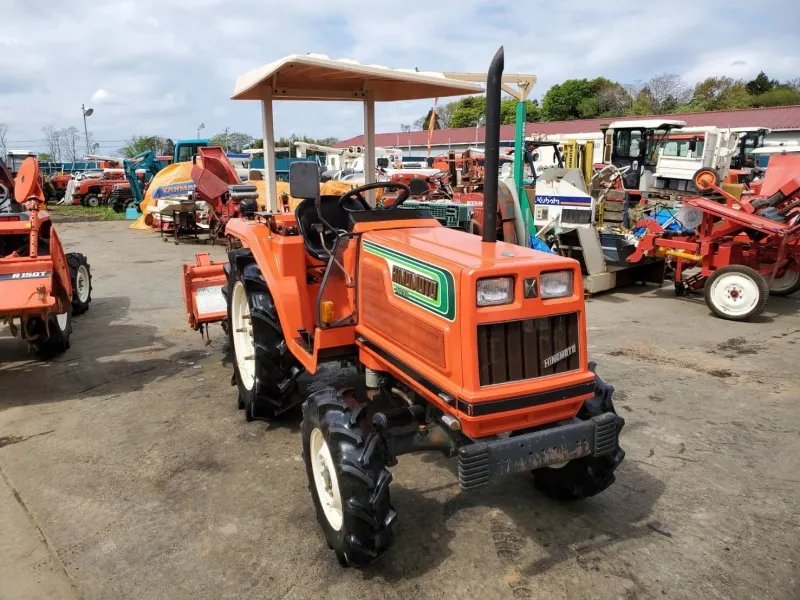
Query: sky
163	67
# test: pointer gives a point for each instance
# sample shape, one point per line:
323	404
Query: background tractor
41	288
462	344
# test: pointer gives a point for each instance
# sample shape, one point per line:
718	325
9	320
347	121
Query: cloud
166	66
100	96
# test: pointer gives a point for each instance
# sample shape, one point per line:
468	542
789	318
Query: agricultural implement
41	288
218	183
745	249
462	344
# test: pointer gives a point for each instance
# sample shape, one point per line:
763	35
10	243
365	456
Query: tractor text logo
559	356
421	283
415	282
29	275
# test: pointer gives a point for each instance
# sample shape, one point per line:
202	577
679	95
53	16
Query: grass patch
74	214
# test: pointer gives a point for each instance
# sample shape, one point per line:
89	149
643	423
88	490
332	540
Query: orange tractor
41	288
462	344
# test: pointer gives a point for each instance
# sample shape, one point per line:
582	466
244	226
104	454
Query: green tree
562	102
721	93
508	111
232	141
141	143
644	104
760	85
45	157
780	96
427	121
470	111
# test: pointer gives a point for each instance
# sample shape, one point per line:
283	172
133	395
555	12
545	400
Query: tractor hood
465	250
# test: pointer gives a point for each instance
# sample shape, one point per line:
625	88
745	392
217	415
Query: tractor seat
307	217
418	187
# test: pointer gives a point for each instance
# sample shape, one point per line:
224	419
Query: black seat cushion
418	186
307	217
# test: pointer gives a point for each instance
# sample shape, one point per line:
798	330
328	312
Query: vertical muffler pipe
492	147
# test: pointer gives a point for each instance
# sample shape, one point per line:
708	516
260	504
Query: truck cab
633	146
186	149
750	138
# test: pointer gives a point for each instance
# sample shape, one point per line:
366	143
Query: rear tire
347	475
788	283
736	292
588	476
53	339
81	275
265	372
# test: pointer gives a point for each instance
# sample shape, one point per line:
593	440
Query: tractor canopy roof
647	124
317	77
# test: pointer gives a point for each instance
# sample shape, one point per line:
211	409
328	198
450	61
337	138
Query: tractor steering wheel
355	194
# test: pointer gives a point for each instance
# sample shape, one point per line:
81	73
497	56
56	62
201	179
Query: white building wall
783	136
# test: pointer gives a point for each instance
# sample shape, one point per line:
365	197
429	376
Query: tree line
603	98
572	99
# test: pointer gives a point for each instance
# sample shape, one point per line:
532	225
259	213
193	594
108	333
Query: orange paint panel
412	333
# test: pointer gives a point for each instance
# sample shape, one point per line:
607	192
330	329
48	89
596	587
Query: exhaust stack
492	151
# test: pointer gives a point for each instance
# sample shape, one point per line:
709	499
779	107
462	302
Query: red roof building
778	119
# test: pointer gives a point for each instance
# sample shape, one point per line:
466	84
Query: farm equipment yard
542	342
127	471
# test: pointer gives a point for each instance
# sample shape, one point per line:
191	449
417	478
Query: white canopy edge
318	77
647	124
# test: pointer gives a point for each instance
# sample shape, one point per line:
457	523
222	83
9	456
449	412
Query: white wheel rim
789	278
735	294
62	321
325	480
244	345
93	201
82	283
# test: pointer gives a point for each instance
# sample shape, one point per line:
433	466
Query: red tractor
95	188
41	288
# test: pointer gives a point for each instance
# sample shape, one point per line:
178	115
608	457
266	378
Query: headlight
556	284
497	291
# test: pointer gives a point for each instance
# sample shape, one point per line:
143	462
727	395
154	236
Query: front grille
526	349
576	216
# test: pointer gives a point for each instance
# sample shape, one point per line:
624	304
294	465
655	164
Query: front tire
347	475
92	201
590	475
736	292
81	275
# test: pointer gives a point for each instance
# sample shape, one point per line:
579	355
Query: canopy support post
369	143
270	185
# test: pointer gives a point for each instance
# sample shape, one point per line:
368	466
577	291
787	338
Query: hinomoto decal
421	283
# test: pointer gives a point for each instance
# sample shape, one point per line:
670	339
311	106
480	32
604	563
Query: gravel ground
127	471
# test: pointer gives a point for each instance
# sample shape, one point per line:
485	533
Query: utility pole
227	129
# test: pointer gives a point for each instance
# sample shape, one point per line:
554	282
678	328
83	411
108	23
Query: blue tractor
131	195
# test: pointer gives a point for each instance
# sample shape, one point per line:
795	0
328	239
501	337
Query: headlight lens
556	284
497	291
